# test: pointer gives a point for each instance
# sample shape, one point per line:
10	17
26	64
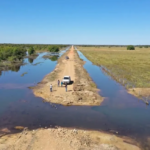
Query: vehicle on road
66	79
67	57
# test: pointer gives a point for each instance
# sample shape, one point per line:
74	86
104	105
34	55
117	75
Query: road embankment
82	90
65	139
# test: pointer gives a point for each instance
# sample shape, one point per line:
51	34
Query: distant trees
146	46
31	50
14	52
11	53
130	47
53	48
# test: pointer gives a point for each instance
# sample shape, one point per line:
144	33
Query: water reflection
54	58
15	68
30	60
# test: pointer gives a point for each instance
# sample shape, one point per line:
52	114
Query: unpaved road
82	92
68	70
65	139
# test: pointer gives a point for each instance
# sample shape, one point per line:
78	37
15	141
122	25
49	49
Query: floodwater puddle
120	111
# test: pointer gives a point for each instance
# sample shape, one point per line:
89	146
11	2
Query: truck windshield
66	77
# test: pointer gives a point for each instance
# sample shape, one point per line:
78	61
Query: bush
53	48
14	52
146	46
130	47
140	47
31	50
53	58
12	58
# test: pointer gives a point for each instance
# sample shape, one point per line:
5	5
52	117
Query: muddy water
120	112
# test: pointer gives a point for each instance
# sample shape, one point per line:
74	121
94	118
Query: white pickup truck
66	79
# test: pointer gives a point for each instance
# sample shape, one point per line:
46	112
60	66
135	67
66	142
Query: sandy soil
81	92
140	93
65	139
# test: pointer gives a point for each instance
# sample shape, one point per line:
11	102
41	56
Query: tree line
12	53
16	52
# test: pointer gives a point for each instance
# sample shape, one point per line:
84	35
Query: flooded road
120	112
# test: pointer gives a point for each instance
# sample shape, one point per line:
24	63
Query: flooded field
120	113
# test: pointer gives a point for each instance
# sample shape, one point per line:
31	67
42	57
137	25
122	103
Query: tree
53	48
146	46
12	58
31	50
130	47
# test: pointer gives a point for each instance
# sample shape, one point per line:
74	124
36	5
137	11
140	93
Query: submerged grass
37	63
131	68
24	74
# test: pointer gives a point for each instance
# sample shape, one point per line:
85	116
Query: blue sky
75	21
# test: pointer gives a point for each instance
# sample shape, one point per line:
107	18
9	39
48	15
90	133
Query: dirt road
68	70
81	92
65	139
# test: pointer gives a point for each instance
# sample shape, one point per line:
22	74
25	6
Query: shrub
53	58
53	48
12	53
31	50
146	46
130	47
12	58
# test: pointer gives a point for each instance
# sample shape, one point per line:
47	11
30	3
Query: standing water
120	111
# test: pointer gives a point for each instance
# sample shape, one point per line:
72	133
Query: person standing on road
51	88
58	82
66	86
61	83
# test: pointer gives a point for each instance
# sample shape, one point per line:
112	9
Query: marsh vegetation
11	55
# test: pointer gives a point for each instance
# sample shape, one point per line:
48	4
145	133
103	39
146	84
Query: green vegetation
14	53
11	53
53	58
146	46
37	63
53	48
31	50
23	74
130	68
130	47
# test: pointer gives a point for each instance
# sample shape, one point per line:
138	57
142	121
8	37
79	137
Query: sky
98	22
